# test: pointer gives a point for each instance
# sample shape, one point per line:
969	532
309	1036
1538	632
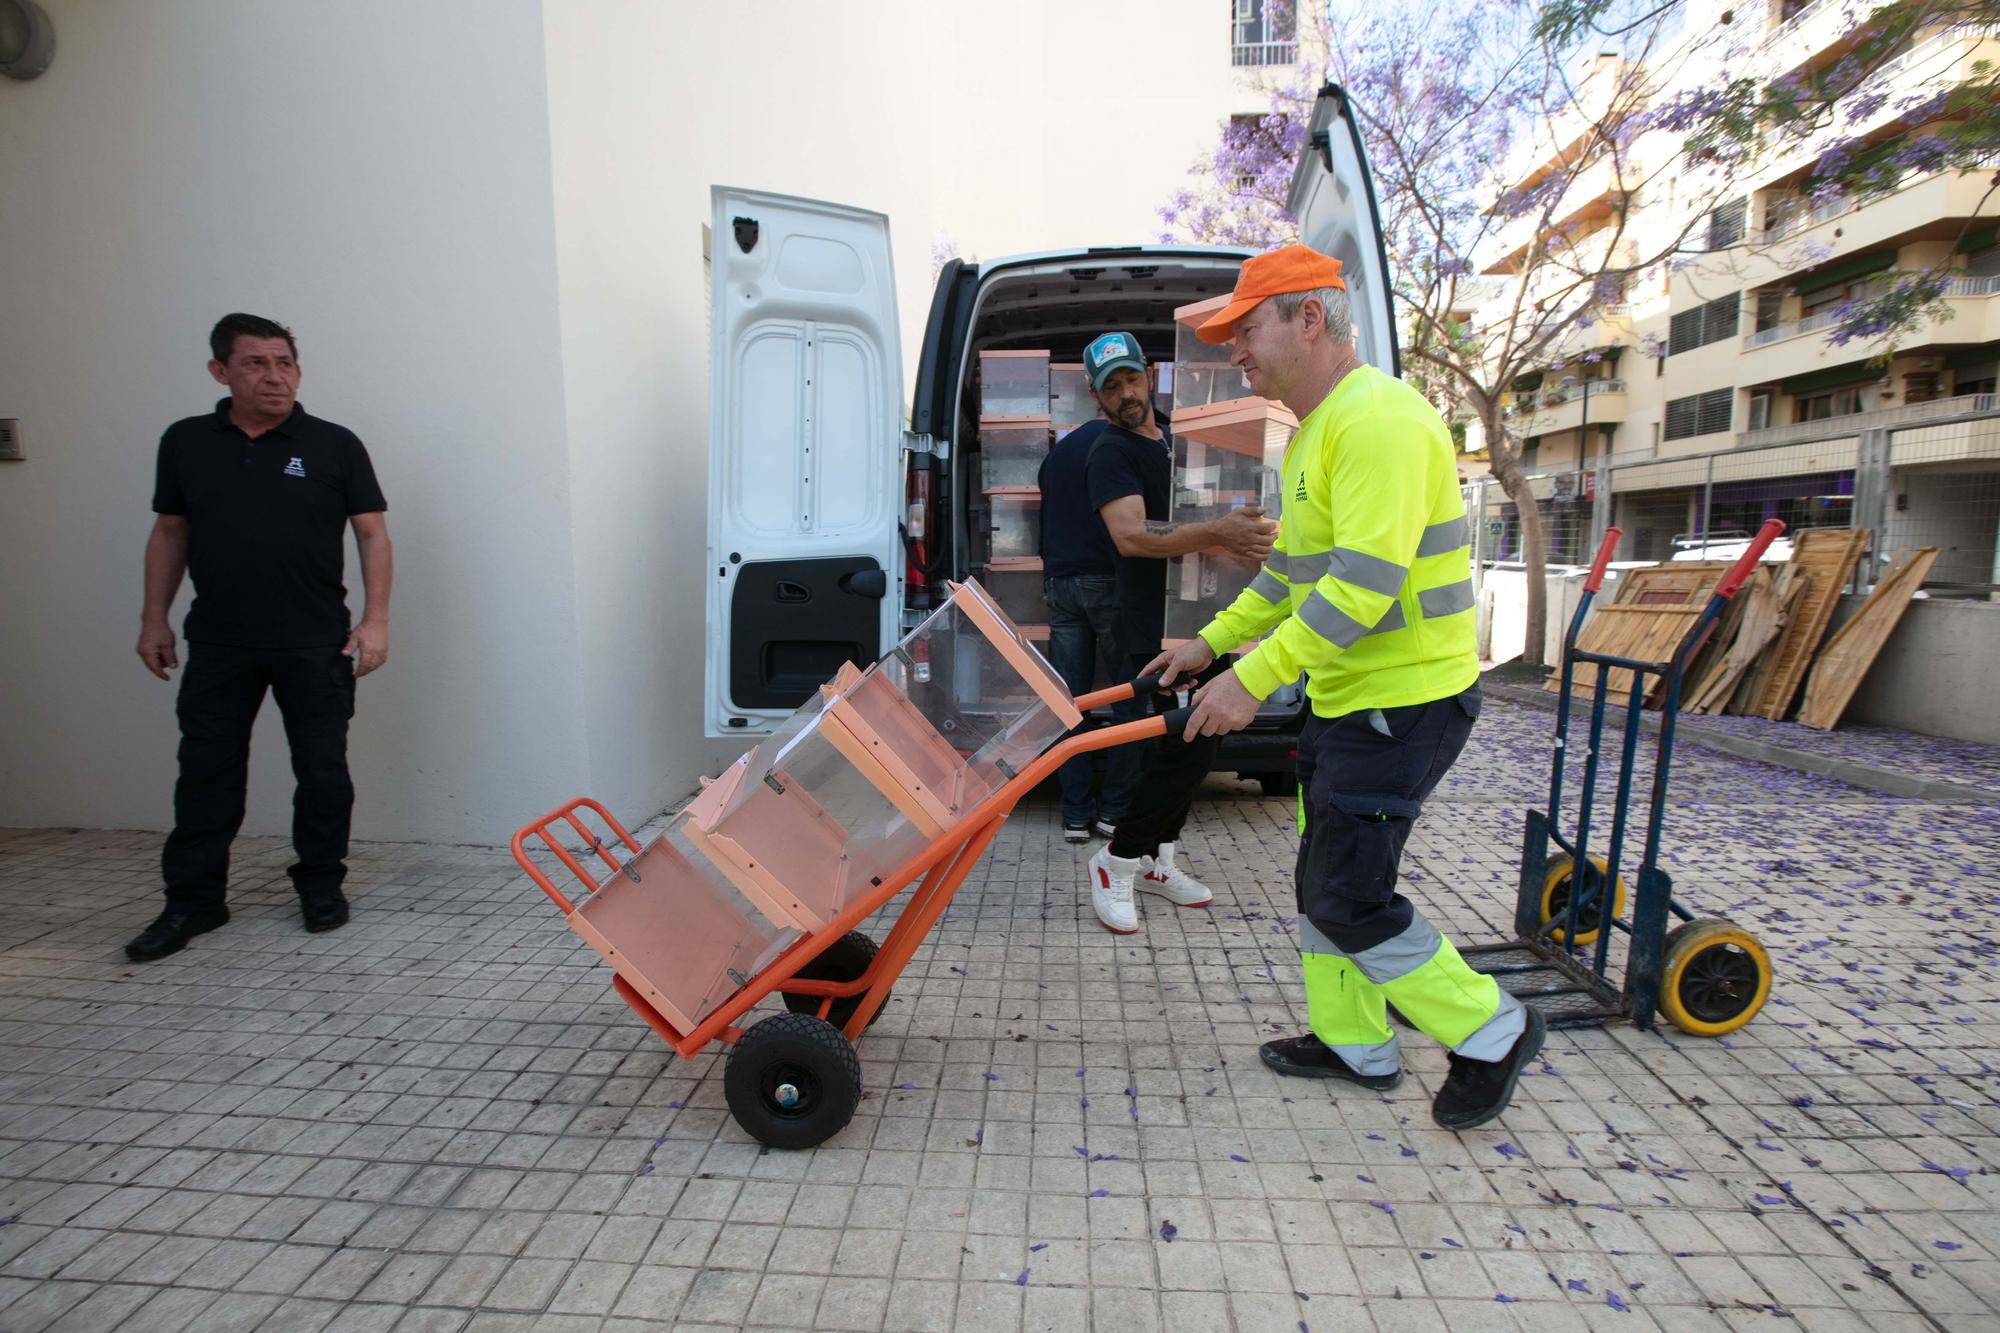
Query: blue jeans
1083	629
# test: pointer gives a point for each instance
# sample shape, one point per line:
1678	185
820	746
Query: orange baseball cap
1293	268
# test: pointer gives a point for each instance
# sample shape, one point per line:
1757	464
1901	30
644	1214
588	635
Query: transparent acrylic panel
1229	451
1014	524
1015	586
1202	373
1010	457
1013	384
677	931
1070	403
804	824
982	689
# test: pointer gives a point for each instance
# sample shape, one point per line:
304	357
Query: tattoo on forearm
1158	527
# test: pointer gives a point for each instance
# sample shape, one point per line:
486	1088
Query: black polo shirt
267	519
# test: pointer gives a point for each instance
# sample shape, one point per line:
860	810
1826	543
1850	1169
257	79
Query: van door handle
789	591
866	583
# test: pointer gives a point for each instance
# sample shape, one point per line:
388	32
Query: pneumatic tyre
843	960
1557	887
792	1081
1714	977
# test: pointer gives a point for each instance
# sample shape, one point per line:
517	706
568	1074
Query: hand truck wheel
1715	977
792	1081
843	960
1557	887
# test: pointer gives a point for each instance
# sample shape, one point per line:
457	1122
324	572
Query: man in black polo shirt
253	500
1125	460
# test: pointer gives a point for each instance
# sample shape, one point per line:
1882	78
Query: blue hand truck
1707	976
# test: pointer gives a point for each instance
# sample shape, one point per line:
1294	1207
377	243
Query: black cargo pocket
1470	699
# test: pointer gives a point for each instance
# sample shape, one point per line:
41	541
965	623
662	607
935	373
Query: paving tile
439	1118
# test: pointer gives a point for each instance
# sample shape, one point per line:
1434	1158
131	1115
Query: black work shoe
1107	828
1076	832
1309	1057
1478	1090
324	911
171	931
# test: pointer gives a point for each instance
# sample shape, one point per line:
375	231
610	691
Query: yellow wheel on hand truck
1557	887
1714	978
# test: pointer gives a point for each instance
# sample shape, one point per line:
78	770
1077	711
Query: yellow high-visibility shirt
1369	584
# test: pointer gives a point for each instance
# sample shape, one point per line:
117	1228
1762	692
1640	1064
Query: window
1725	224
1770	303
1974	379
1838	403
1760	409
1262	32
1703	325
1700	414
1984	263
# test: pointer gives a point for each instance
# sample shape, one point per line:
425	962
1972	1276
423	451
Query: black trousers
1170	771
1363	779
221	690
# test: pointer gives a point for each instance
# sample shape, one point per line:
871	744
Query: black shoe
323	911
1309	1057
1478	1090
1107	828
1076	832
171	931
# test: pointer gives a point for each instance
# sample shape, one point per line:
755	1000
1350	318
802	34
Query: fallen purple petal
1168	1230
1098	1194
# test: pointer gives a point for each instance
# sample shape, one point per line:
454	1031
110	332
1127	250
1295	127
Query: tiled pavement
439	1118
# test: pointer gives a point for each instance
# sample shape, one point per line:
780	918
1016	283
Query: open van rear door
1333	197
805	452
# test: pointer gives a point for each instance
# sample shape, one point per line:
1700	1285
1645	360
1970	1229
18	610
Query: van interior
1058	305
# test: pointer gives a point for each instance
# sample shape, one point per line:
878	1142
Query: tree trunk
1506	463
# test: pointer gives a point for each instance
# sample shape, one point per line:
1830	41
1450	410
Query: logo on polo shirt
1299	497
296	468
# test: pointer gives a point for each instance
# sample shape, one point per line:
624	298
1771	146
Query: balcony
1812	32
1566	407
1245	55
1954	290
1611	328
1887	418
1799	347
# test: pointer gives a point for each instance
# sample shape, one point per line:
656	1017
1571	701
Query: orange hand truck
897	775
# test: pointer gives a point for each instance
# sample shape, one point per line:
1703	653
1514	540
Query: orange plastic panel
676	933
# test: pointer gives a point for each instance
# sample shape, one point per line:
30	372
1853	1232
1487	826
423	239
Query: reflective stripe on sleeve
1366	571
1449	535
1447	600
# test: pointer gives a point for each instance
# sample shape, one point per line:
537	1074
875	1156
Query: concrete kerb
1883	780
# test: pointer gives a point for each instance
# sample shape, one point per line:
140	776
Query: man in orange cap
1368	593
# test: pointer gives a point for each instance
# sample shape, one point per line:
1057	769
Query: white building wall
377	176
483	217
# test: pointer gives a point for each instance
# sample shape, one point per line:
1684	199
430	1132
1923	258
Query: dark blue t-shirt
1113	463
1074	541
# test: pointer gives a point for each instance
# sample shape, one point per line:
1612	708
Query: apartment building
1707	396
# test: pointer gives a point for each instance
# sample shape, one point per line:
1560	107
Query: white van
830	527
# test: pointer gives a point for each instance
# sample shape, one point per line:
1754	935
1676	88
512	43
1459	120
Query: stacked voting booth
844	797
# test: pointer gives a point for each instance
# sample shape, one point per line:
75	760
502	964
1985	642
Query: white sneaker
1111	890
1169	881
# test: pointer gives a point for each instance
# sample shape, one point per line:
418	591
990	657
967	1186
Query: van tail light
916	522
920	659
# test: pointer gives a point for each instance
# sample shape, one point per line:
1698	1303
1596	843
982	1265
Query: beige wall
484	218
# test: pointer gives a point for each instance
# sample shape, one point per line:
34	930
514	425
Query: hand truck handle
1177	720
1746	562
1118	694
1603	560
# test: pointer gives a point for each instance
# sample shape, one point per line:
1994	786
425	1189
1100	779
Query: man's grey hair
1333	300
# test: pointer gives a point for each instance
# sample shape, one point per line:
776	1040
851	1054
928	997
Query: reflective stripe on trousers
1420	971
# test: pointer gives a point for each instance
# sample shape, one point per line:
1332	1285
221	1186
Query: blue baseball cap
1108	352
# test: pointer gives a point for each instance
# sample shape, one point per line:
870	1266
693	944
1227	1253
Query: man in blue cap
1107	495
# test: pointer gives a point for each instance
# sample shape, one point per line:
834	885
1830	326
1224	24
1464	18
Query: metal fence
1923	475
